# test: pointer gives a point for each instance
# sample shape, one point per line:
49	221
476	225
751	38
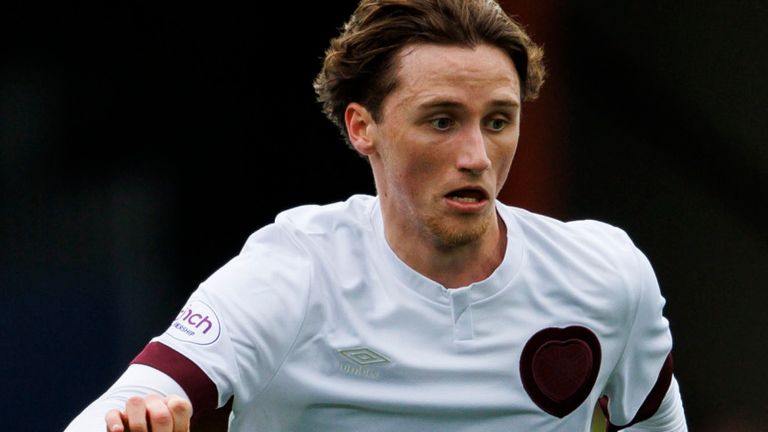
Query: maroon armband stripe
652	401
200	389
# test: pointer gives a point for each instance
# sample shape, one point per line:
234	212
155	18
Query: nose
473	154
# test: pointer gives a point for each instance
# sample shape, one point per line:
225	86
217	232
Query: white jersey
318	325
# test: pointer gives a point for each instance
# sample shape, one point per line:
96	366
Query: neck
453	266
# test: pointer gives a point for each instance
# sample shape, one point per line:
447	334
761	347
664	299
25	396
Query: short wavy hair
359	64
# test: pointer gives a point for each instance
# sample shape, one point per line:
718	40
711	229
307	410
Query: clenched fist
152	413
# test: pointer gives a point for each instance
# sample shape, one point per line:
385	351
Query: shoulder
321	219
276	268
293	228
575	236
287	249
601	257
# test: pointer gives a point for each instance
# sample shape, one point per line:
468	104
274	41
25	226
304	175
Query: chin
458	233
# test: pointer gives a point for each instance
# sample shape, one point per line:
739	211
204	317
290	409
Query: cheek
425	165
418	172
502	161
413	163
505	158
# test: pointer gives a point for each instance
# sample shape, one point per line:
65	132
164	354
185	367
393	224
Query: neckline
433	291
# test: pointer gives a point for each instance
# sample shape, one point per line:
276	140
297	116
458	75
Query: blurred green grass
598	420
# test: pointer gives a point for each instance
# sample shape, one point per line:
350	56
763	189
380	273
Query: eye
442	123
497	124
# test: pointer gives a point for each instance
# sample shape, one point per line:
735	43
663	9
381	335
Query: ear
361	128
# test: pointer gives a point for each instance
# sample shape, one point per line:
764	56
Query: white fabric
669	418
318	325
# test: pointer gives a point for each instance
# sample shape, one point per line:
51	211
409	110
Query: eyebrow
506	104
450	104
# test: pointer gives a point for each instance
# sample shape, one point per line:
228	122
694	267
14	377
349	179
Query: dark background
140	144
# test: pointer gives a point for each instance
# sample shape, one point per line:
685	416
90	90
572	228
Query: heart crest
559	367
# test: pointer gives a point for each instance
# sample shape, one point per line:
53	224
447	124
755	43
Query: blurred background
142	142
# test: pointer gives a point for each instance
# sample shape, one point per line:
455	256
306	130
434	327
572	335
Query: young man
431	306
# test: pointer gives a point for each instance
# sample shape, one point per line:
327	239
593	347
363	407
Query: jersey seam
634	317
303	320
233	352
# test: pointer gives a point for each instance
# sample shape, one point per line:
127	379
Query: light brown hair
359	64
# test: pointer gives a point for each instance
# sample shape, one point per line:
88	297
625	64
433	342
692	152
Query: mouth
467	199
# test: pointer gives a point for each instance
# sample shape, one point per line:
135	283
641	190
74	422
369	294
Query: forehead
426	71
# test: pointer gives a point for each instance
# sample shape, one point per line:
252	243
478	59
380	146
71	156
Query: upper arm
643	374
236	330
669	417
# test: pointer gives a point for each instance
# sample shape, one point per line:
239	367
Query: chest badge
559	366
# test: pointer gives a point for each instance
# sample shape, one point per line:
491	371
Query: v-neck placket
461	310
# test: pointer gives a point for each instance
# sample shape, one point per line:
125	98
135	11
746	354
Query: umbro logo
361	358
364	356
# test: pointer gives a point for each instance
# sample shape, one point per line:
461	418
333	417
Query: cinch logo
196	323
188	315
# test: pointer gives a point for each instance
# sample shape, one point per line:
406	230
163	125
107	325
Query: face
445	140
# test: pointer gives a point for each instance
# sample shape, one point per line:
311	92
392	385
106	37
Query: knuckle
161	418
179	405
152	397
135	401
113	419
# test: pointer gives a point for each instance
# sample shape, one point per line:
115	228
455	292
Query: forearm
669	418
138	380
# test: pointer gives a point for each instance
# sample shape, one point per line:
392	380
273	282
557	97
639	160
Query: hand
152	413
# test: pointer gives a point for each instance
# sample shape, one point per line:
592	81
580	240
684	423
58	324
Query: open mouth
467	195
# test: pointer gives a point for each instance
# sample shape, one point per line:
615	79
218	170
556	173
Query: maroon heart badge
559	367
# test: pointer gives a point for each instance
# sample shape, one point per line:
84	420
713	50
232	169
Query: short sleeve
237	328
643	373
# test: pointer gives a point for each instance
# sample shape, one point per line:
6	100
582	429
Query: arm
247	313
142	392
642	394
670	416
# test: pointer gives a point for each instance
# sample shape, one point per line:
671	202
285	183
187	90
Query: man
431	306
